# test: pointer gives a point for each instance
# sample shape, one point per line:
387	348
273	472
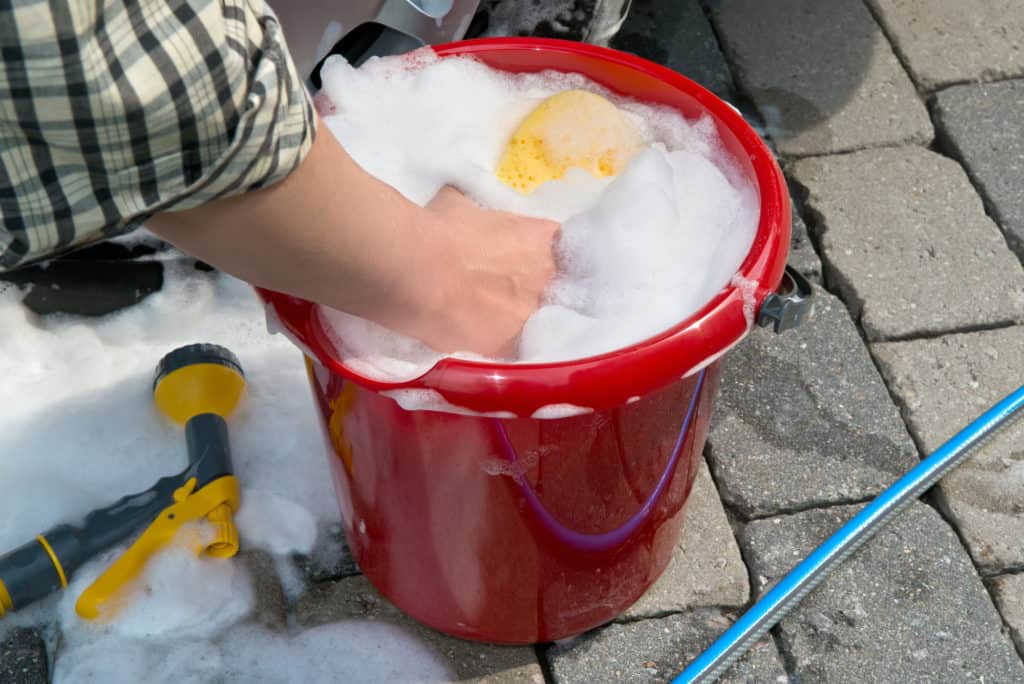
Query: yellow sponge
573	128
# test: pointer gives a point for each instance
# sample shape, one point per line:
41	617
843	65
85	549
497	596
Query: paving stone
23	658
1009	595
802	256
821	73
331	558
706	568
944	384
983	126
803	419
906	241
676	33
907	607
946	41
355	598
656	651
271	610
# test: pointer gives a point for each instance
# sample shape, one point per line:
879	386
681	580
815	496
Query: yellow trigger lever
216	502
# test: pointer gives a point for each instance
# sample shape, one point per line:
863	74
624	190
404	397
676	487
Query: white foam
275	523
747	289
81	430
639	253
179	594
431	400
515	469
557	411
349	651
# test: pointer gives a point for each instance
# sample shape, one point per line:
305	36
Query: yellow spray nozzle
198	386
199	378
574	128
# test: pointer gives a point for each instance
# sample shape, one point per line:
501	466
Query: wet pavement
899	126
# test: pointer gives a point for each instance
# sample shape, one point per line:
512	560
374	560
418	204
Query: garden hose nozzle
197	386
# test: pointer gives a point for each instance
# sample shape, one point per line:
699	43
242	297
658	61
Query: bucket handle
597	543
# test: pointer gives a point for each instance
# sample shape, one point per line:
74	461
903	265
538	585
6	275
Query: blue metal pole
812	570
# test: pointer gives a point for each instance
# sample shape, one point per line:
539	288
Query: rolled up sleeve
114	111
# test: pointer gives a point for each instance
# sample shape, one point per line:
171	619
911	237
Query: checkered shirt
113	111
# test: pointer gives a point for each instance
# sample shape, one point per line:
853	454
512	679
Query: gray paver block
676	33
355	598
944	384
802	256
984	127
331	558
656	651
23	658
1009	594
803	419
822	75
946	41
271	609
907	607
906	240
706	568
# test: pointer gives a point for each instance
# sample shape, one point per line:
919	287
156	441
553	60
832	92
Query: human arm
188	115
452	274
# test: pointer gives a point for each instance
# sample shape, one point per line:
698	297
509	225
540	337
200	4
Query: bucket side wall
467	540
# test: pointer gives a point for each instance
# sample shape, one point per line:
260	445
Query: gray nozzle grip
209	450
28	574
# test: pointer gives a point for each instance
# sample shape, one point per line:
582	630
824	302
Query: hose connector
5	600
225	535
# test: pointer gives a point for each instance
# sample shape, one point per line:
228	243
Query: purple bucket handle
606	541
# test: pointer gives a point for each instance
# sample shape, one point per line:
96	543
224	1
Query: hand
491	271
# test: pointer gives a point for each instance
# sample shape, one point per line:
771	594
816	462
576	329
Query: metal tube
812	570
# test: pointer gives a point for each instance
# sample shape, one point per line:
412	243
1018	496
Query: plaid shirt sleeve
113	111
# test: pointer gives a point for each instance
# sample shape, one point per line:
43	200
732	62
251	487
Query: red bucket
523	530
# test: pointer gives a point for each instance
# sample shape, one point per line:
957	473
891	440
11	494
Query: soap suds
557	411
518	468
747	289
639	253
431	400
82	431
348	651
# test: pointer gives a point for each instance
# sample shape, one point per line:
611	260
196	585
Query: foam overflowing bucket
540	500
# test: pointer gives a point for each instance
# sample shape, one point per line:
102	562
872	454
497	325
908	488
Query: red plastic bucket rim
612	378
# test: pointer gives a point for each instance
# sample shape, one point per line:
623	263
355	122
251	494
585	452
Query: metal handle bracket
787	308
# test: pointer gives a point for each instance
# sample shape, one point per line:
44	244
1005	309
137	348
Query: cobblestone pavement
900	126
